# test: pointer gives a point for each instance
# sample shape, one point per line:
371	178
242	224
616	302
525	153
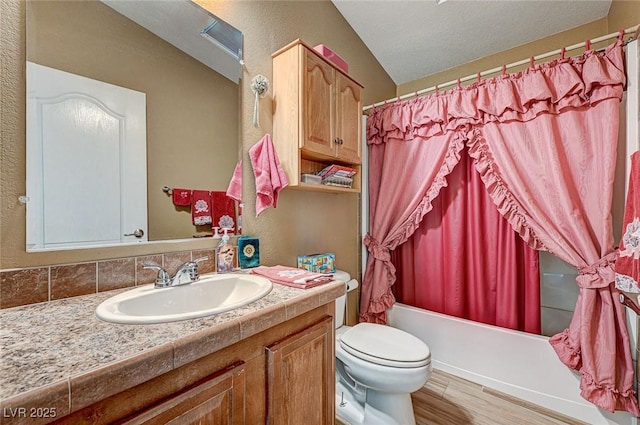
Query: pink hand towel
234	191
270	177
291	276
627	266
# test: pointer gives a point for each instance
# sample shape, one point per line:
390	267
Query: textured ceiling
413	39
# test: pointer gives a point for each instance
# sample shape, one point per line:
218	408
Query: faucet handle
163	278
193	270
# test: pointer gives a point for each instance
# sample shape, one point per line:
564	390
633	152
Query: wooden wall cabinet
316	115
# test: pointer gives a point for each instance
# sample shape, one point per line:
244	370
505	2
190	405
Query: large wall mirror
191	111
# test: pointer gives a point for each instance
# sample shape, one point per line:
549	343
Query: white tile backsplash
554	321
558	293
552	264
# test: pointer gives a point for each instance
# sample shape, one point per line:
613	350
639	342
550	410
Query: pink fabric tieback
269	174
234	191
378	251
599	274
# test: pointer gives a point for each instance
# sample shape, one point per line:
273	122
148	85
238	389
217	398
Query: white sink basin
210	295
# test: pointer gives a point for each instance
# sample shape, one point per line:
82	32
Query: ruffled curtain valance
546	88
544	142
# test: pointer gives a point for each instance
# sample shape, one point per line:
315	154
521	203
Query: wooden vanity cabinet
218	400
317	114
282	375
300	377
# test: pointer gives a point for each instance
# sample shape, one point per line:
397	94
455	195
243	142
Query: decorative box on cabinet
317	114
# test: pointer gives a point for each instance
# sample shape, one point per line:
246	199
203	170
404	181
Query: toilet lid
385	346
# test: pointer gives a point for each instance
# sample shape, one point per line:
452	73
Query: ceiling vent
224	35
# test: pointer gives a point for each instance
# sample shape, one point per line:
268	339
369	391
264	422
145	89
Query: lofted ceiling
413	39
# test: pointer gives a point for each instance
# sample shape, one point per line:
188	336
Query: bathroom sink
210	295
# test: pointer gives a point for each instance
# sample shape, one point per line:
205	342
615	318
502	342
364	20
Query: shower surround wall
558	294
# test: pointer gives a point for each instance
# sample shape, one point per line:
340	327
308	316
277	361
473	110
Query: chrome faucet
187	273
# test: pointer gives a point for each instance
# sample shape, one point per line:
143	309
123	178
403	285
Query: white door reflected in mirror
86	161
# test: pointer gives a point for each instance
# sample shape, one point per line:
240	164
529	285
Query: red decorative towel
224	210
201	207
627	265
291	276
181	197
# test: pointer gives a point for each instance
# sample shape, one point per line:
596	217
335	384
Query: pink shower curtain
465	260
544	142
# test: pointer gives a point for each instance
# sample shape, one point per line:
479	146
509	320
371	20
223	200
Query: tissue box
248	252
318	263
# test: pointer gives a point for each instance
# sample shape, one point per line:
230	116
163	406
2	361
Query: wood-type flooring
449	400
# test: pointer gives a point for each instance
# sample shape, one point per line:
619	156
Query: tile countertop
57	345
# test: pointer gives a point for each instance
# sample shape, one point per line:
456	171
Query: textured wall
623	14
557	41
304	222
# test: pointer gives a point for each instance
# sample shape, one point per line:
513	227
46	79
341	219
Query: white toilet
377	368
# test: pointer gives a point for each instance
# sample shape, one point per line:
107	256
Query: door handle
138	233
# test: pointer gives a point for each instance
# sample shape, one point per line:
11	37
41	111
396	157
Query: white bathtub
516	363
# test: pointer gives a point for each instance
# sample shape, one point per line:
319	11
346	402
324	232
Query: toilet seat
385	346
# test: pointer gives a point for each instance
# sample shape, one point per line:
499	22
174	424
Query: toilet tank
341	303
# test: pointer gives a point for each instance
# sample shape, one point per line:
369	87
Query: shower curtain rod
632	30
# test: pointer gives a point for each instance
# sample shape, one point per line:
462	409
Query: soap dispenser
226	254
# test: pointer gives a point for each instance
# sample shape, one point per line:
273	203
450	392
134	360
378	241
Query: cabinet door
301	377
219	400
348	119
318	106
